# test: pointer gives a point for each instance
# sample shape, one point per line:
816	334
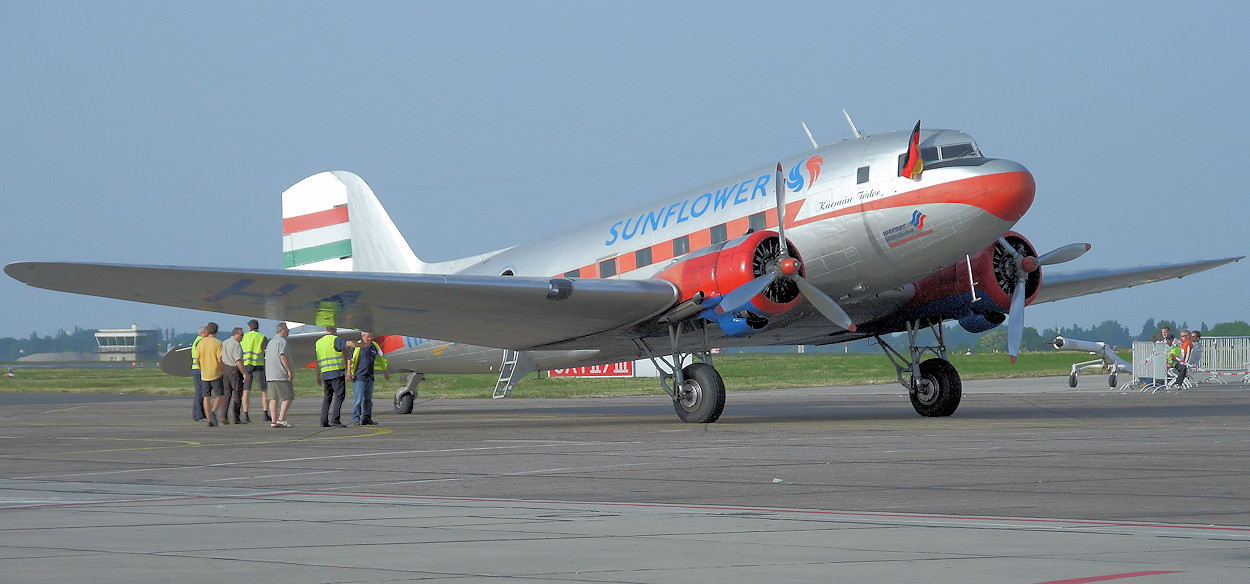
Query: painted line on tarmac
1107	577
290	474
308	459
936	520
187	443
103	502
494	476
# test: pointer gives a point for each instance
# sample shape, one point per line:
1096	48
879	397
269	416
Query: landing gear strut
933	384
698	391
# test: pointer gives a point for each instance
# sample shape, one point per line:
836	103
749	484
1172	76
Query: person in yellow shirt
208	355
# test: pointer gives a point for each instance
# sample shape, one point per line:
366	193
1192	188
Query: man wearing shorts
253	345
208	353
280	376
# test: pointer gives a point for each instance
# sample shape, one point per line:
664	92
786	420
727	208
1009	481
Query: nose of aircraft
1008	189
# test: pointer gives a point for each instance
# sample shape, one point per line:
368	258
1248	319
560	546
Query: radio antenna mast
854	130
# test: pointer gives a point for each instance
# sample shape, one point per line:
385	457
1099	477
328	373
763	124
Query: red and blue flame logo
795	181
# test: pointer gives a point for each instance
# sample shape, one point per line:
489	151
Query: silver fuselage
864	236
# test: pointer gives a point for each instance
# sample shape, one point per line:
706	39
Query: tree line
79	340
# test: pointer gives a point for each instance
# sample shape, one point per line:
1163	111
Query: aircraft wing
494	311
1058	286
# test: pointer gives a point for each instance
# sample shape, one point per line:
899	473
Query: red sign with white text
624	369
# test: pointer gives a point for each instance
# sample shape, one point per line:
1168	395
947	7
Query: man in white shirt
279	374
236	375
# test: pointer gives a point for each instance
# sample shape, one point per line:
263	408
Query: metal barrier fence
1225	354
1221	356
1148	362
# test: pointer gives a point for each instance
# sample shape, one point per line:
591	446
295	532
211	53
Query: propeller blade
1010	249
781	214
738	298
1015	319
1066	253
824	303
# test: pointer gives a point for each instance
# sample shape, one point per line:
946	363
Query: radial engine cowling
947	294
721	268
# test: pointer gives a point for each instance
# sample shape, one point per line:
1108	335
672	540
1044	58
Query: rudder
332	221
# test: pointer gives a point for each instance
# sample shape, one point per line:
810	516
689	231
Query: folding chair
1169	381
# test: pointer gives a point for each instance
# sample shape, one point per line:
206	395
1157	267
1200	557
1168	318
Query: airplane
898	231
1108	362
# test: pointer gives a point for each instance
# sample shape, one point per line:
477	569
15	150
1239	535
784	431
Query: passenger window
573	273
607	268
720	233
681	245
642	257
861	176
757	222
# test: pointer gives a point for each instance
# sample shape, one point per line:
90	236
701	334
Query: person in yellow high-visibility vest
253	344
366	359
331	371
197	408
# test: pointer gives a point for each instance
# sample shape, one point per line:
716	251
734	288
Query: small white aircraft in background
897	231
1107	362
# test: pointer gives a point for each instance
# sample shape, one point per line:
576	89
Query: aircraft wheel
701	398
404	404
1072	380
938	390
1111	381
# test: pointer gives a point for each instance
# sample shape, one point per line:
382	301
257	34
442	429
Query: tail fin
332	221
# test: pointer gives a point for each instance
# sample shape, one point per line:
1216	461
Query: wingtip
1013	359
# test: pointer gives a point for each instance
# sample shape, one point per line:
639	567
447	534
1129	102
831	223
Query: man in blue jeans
367	359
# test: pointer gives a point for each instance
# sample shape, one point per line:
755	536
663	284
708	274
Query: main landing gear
697	390
933	384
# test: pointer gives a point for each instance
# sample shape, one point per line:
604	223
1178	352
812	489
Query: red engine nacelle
993	270
719	269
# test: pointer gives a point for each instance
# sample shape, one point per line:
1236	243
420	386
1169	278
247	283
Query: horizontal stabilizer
300	350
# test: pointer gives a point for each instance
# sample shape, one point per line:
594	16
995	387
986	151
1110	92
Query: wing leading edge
493	311
1058	286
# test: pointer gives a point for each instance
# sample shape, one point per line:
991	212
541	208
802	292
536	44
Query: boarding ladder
515	365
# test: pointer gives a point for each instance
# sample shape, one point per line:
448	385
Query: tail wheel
939	389
701	397
404	404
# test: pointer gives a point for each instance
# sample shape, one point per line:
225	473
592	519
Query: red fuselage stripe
970	191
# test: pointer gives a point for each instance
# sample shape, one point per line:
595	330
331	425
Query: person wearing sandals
280	375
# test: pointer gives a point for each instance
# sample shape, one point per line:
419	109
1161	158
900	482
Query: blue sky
164	133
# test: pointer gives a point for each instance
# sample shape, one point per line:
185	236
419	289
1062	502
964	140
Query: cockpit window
964	150
929	154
